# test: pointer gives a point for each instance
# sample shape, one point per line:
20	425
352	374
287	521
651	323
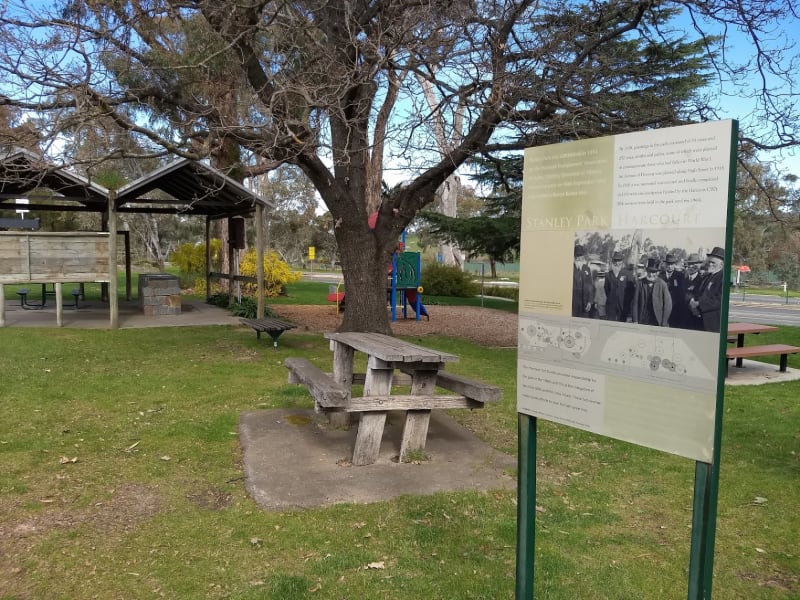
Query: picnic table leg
415	430
739	344
342	374
378	382
784	361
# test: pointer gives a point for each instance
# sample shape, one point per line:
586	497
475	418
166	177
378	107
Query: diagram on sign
539	336
661	354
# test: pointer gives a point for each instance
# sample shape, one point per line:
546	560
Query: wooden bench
330	396
274	327
765	350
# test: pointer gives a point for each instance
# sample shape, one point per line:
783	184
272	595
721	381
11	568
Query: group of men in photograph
686	294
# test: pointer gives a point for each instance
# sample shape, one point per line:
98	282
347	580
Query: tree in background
294	225
495	230
335	88
767	213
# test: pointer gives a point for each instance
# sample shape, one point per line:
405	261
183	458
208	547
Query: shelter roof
184	186
24	174
192	188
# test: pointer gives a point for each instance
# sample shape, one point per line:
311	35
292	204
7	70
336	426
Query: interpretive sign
621	284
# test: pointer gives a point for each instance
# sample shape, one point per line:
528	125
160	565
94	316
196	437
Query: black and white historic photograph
664	278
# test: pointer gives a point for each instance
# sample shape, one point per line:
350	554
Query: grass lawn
120	477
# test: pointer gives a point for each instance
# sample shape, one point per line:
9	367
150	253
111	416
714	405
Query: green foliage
219	299
247	307
447	280
111	179
788	269
502	291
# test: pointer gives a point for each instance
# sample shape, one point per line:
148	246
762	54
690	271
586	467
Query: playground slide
411	298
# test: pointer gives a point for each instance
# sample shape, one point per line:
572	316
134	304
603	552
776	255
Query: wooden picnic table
385	354
389	360
742	329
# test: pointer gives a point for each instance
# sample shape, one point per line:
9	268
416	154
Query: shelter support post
126	236
104	226
113	306
59	304
208	258
260	260
2	305
231	269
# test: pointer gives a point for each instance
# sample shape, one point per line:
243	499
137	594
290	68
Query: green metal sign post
526	498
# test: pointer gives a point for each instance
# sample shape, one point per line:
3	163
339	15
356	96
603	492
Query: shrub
276	273
447	280
502	291
220	299
247	308
191	260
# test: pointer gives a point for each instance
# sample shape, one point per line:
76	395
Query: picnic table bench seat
272	326
326	392
763	350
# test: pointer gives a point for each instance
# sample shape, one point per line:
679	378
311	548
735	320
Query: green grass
154	504
767	291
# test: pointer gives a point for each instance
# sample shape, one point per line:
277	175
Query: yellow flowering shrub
199	286
191	258
276	273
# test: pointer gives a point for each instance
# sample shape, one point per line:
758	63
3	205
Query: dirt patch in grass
787	582
127	506
210	499
484	326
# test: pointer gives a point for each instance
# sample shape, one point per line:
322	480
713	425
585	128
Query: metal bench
765	350
24	303
274	327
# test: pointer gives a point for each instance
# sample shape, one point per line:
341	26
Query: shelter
182	187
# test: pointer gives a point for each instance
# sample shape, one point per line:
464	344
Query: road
768	310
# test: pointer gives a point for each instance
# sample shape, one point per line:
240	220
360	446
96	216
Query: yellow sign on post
312	253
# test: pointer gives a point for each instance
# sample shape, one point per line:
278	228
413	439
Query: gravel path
485	326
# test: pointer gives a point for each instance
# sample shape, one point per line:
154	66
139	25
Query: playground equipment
403	287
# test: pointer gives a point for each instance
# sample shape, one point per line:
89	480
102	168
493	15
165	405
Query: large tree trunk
364	267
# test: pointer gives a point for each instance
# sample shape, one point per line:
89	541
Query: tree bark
450	253
365	270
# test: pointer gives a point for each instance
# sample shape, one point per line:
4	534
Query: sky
736	101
